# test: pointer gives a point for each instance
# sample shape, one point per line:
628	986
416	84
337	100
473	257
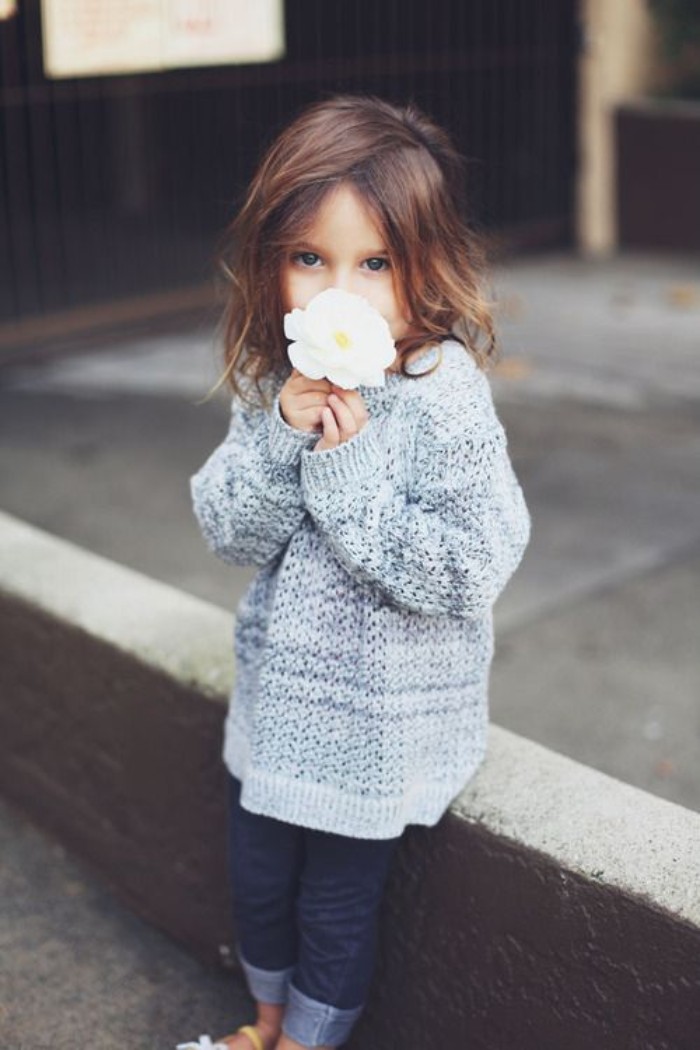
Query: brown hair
410	177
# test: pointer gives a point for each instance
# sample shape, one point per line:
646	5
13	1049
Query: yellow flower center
343	340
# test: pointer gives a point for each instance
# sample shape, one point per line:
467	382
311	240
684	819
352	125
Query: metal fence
116	186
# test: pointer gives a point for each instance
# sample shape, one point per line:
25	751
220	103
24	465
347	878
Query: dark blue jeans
305	906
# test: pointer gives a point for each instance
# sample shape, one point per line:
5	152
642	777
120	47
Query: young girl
385	522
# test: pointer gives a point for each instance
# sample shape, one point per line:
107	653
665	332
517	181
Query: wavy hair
411	179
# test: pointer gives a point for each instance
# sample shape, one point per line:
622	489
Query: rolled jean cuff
266	986
317	1024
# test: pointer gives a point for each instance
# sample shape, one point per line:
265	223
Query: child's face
343	248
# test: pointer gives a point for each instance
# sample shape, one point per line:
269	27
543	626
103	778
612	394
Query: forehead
343	215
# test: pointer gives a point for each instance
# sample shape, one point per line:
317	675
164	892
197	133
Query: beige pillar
618	62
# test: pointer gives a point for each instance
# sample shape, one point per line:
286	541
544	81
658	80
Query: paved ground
597	652
78	972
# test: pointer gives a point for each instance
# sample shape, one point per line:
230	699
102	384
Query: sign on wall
99	37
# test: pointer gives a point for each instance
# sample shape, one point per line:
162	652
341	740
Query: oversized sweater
364	642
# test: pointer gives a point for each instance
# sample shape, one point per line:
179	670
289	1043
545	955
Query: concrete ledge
588	823
166	630
552	907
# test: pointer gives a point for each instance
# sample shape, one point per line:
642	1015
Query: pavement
80	972
597	634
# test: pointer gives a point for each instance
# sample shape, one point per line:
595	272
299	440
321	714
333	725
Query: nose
344	280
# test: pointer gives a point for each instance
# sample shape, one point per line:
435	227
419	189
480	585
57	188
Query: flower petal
344	378
342	336
305	361
294	324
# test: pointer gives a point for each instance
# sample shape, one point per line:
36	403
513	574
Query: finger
345	417
347	394
309	398
330	427
355	402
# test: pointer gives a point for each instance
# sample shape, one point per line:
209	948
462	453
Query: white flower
204	1043
341	337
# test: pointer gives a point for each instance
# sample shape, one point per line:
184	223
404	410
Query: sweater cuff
286	443
350	463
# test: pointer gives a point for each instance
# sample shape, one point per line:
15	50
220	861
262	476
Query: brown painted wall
658	176
489	946
485	945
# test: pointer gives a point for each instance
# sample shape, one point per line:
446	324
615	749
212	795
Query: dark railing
113	187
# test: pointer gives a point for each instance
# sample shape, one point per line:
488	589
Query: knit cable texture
364	642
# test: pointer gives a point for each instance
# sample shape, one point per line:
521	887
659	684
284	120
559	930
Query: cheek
286	290
399	328
390	308
297	289
398	316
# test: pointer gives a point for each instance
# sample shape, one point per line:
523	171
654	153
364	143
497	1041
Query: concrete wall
619	61
551	907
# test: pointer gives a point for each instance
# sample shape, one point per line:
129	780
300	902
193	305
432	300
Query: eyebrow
309	246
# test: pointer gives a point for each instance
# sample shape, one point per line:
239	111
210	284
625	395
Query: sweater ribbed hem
325	808
285	442
350	462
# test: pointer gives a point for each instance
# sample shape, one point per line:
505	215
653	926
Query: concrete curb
551	906
588	823
162	627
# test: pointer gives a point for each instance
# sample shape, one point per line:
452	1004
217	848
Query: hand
302	401
343	417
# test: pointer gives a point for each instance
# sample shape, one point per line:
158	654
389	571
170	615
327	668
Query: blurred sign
96	37
8	8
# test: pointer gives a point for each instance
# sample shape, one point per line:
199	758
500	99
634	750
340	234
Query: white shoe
204	1043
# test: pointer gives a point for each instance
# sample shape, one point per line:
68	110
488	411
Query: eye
306	258
376	264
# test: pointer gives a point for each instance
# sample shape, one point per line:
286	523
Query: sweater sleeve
247	497
448	544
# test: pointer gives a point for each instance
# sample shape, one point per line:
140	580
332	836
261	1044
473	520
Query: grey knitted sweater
364	642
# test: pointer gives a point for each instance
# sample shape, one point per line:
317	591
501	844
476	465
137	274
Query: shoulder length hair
411	179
